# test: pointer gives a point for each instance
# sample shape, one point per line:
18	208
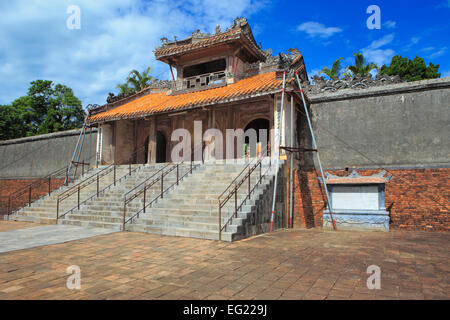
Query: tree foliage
136	81
46	108
335	70
410	70
361	66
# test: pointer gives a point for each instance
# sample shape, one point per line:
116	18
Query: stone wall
37	156
400	128
405	124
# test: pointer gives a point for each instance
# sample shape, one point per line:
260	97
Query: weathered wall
398	125
416	199
401	128
37	156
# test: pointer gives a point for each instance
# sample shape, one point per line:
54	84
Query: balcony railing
200	81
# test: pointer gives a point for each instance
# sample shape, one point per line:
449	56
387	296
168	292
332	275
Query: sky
116	36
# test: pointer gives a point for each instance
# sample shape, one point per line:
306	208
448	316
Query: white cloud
374	52
316	29
445	74
390	24
115	37
437	54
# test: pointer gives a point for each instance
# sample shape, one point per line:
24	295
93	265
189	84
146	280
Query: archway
160	147
258	124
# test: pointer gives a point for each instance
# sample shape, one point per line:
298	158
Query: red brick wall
417	199
11	186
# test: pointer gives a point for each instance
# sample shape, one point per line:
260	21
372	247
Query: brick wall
417	199
11	186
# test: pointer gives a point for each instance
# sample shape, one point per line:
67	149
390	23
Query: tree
334	72
410	70
124	88
139	81
361	66
46	108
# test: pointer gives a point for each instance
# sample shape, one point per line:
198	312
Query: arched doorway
160	147
258	124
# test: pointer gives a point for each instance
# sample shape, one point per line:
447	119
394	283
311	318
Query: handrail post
235	200
145	190
49	184
129	168
98	186
9	206
249	174
260	173
220	223
124	214
114	175
177	173
162	185
57	209
78	197
29	196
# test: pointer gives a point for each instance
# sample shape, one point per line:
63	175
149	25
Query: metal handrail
46	179
234	192
97	194
160	195
240	173
86	182
143	182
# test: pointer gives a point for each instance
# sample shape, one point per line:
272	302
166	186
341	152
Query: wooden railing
143	190
200	81
233	189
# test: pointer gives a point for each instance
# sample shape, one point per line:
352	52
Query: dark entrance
258	124
147	140
160	147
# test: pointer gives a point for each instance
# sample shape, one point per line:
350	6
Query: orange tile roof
153	103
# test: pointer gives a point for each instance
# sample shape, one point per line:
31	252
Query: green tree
46	108
335	70
361	66
139	81
124	88
410	70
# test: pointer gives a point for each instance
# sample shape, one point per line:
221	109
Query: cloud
316	29
437	54
374	52
115	37
445	74
390	24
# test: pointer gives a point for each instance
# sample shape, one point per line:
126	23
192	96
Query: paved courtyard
298	264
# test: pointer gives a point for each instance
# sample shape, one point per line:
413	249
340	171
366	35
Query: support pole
76	150
277	153
318	156
291	166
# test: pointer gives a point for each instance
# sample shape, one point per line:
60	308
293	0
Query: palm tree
124	88
139	81
334	72
361	66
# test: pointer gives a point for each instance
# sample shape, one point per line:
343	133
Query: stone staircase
43	210
106	211
191	209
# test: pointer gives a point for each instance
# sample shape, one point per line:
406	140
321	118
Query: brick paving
298	264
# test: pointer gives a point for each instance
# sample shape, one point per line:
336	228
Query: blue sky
119	35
